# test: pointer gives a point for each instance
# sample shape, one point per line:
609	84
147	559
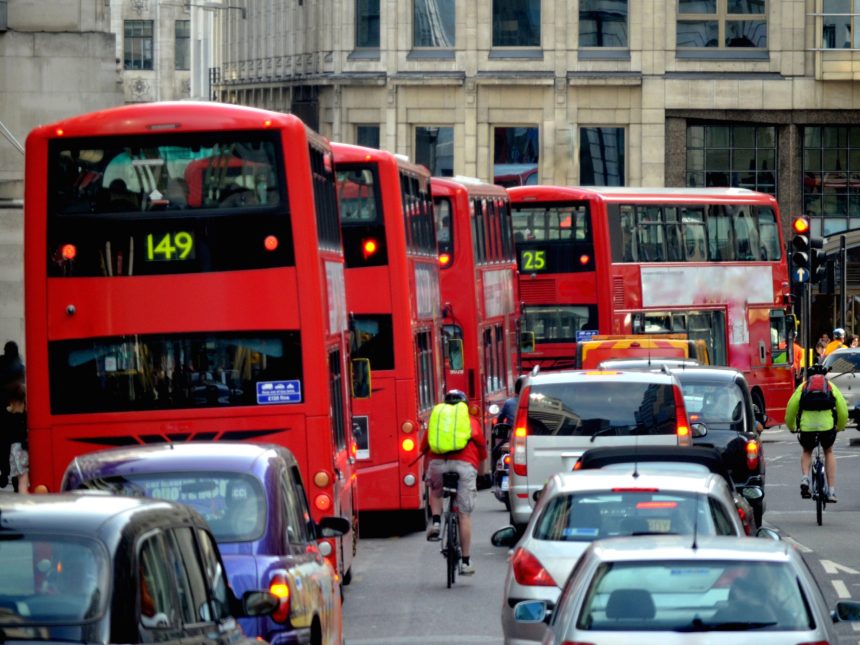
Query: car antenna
696	524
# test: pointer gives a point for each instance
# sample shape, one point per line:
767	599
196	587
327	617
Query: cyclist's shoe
467	569
434	531
831	497
804	488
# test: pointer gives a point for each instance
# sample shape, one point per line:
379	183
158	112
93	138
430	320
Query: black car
671	457
92	568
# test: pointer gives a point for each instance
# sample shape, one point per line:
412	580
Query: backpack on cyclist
449	429
817	394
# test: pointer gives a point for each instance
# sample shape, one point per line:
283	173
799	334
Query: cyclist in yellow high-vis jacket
825	423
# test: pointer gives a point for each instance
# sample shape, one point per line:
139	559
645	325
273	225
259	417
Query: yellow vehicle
590	353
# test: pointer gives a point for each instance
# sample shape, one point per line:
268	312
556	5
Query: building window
601	156
434	147
138	44
516	23
721	24
831	178
743	156
367	23
603	23
183	44
839	22
367	136
515	155
433	23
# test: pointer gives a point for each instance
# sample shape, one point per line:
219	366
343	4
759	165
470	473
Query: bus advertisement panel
184	282
392	291
479	291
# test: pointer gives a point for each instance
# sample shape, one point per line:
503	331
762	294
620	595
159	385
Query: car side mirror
847	610
331	527
767	533
505	537
530	612
259	603
699	429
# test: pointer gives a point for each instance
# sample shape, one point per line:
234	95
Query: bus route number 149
533	260
178	245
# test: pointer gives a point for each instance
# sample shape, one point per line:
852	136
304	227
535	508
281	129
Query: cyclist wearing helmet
464	462
838	341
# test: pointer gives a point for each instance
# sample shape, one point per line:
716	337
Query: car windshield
718	403
50	580
842	362
601	408
695	596
584	517
233	504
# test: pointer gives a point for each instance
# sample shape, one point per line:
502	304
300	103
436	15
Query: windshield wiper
698	625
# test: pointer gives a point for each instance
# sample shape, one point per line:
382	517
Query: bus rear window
174	371
167	204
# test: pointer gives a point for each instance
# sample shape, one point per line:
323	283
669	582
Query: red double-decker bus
706	262
392	292
478	280
184	282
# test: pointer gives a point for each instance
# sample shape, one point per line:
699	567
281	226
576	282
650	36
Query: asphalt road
398	593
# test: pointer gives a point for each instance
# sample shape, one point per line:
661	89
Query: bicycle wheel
453	547
818	476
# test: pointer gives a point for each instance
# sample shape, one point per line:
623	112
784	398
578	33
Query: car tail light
576	643
752	454
518	444
633	489
529	571
506	460
815	643
744	520
280	588
683	427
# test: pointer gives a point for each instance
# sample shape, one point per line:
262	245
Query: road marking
420	640
800	547
841	589
834	567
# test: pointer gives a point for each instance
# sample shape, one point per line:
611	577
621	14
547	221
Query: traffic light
800	257
817	260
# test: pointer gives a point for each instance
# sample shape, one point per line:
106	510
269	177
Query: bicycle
818	481
451	549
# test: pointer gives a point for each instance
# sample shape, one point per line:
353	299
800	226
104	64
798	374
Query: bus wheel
415	521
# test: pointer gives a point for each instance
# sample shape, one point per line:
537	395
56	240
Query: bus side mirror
361	378
455	354
527	341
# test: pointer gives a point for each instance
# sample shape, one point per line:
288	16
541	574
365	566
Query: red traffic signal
800	226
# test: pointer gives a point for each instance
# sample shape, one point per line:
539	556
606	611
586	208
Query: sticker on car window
580	532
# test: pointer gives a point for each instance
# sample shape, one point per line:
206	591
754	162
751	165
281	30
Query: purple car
254	501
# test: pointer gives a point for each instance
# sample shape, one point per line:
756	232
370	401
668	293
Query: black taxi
91	568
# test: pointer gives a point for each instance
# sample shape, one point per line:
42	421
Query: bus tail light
280	587
752	454
583	259
369	247
529	571
68	251
270	243
407	427
444	259
408	444
322	479
685	438
518	444
322	502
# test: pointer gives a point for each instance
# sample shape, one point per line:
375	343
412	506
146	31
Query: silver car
577	508
562	414
844	365
677	590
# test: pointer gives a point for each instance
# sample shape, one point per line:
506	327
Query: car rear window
714	402
585	517
50	580
843	362
700	596
233	504
602	408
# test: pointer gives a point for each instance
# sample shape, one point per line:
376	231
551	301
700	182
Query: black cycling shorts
807	439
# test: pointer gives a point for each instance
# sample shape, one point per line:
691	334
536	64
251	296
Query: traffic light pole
806	324
843	282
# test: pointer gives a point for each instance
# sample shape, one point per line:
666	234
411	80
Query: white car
676	590
578	508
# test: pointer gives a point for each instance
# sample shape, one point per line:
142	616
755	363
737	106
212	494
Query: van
562	414
590	353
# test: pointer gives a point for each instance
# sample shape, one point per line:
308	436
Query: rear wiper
698	625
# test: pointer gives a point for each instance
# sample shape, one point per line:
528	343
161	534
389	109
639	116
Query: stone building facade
754	93
53	64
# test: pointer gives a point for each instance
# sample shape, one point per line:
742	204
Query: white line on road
841	589
834	567
797	545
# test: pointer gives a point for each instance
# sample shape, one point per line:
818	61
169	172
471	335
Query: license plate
505	484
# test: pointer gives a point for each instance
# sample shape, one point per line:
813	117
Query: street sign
801	275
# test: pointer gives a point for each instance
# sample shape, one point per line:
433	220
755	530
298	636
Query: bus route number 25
534	260
177	245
